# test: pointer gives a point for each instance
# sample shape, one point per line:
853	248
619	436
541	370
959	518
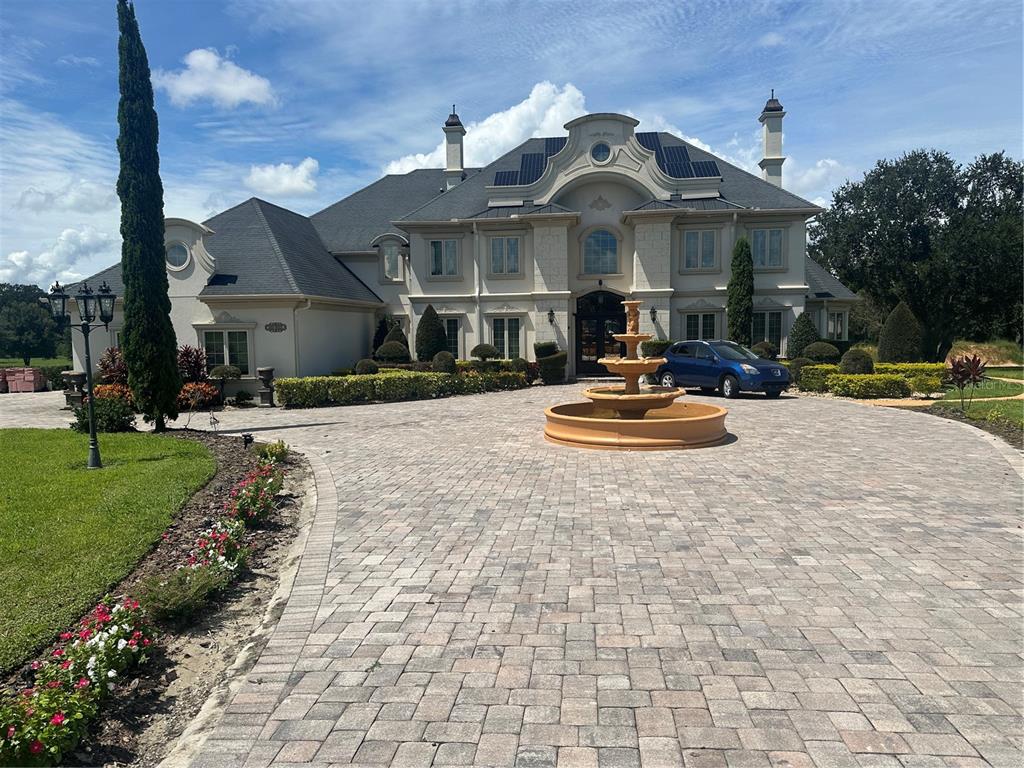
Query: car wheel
668	379
773	394
730	387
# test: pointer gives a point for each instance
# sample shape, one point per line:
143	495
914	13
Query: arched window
600	253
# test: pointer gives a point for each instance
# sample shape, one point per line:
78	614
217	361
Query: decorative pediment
505	309
226	318
701	304
766	302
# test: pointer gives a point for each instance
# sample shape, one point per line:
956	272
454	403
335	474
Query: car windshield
731	351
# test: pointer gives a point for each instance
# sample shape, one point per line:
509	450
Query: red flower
10	732
36	747
82	683
35	665
58	652
57	719
65	635
145	641
66	664
53	684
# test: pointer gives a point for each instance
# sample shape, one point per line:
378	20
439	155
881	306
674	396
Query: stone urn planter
266	391
74	388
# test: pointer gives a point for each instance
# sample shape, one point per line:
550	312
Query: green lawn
989	388
67	534
1011	411
37	362
1005	373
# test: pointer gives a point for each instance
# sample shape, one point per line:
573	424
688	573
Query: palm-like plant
966	371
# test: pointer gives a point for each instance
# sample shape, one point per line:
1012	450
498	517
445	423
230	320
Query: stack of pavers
25	379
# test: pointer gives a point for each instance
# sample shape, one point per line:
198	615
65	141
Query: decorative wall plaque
275	327
600	203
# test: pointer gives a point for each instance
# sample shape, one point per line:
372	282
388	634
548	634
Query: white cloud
78	61
770	40
210	77
59	261
542	113
284	179
82	196
817	181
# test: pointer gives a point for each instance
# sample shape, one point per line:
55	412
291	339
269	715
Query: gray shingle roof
821	284
698	204
740	188
263	249
111	275
350	224
508	211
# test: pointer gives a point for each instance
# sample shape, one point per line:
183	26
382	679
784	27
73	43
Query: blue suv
723	365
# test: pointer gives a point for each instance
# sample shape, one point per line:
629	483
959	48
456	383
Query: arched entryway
599	314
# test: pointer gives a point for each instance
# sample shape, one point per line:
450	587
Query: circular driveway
838	586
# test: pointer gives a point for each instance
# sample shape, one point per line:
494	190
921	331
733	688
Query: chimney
771	119
453	167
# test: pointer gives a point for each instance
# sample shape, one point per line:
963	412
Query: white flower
121	644
111	673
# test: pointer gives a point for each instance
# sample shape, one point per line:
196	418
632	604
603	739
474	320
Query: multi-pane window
767	247
392	255
505	255
444	258
227	348
699	249
451	330
600	253
505	331
767	326
836	321
700	326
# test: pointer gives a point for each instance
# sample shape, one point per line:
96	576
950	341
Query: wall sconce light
551	316
654	314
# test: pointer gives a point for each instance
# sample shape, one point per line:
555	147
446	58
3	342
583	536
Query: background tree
148	339
430	335
384	326
866	318
801	335
900	339
740	304
946	240
26	329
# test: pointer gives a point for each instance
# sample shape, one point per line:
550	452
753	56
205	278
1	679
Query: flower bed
43	723
390	386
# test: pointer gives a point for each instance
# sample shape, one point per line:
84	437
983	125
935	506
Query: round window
600	152
177	255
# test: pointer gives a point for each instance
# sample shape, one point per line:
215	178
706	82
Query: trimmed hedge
856	361
392	352
552	368
654	347
822	352
389	387
765	350
867	386
444	362
909	370
813	378
795	366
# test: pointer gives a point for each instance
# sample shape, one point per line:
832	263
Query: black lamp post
90	305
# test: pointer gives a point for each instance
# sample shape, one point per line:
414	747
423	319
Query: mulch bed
140	723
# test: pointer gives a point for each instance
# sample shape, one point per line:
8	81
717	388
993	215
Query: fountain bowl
633	406
675	426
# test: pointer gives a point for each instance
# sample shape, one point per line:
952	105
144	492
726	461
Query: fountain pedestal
630	417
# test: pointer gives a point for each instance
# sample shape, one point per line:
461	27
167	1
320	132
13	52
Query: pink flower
58	652
66	664
10	732
82	683
65	635
35	665
36	747
57	719
53	684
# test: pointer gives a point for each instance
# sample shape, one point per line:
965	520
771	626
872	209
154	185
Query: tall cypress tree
148	341
740	304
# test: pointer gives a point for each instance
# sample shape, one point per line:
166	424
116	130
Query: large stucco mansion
543	243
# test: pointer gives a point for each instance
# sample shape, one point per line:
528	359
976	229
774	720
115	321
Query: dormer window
600	152
176	255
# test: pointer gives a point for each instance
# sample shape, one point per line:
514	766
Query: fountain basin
677	425
633	406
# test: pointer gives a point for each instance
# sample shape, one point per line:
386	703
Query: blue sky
302	102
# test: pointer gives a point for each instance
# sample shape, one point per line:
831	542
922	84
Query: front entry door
599	315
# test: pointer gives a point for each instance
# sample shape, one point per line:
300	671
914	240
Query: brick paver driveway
840	586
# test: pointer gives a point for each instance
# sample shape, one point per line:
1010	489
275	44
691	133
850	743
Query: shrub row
814	378
867	386
390	386
912	369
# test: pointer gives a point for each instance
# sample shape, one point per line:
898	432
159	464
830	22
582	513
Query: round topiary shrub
225	372
856	361
545	348
796	365
485	352
765	349
392	352
519	365
444	362
366	367
397	334
822	352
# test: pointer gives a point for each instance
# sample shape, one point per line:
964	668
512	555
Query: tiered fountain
632	418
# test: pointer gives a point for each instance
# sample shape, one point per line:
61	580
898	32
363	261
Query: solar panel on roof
649	140
677	154
678	170
531	166
704	168
553	145
506	178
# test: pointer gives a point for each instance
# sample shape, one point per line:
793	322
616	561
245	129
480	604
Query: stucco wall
330	338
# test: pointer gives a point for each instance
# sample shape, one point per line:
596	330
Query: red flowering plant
40	725
220	547
252	499
111	639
